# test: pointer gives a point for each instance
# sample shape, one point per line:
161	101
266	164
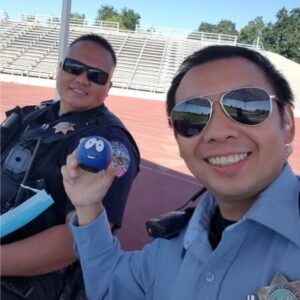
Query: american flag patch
120	159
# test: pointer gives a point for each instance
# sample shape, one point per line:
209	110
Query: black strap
17	121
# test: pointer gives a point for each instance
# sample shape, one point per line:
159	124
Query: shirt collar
80	113
200	220
278	206
52	113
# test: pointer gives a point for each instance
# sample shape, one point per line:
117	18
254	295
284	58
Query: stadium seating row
146	60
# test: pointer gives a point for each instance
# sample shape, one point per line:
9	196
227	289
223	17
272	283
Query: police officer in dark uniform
35	142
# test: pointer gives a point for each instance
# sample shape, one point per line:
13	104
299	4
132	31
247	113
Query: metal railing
179	42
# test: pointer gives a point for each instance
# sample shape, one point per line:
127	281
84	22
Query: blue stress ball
94	154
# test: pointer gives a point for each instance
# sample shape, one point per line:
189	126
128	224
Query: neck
217	225
234	210
62	108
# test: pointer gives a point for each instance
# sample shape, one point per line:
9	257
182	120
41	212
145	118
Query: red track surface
164	182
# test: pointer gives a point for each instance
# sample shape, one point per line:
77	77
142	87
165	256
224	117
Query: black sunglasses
247	106
75	67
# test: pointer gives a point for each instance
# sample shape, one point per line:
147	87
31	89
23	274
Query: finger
74	162
66	178
72	157
72	165
110	175
82	139
110	170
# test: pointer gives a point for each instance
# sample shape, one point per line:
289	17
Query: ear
109	87
288	124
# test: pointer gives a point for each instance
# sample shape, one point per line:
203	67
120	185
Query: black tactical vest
39	146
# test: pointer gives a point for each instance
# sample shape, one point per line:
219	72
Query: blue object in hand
94	154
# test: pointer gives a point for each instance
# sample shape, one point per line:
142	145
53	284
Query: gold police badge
64	127
280	289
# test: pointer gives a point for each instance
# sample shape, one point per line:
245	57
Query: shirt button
209	276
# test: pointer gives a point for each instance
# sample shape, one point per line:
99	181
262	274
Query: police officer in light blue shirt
232	116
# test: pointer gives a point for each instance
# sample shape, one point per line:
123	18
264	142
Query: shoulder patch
120	159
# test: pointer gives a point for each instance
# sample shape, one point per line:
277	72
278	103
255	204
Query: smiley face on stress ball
94	154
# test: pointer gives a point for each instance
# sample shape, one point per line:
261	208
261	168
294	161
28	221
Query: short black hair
98	40
216	52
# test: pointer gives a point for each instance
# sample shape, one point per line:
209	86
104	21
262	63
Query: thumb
110	172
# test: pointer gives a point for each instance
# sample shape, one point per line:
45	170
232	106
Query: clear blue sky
184	14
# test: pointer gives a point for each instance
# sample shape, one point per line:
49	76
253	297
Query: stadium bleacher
147	58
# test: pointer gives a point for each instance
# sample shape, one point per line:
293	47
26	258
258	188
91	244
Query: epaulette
16	110
33	112
46	103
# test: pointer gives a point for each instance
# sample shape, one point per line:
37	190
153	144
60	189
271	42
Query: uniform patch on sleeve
120	159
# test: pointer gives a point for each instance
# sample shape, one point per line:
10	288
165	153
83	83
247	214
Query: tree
106	13
283	36
207	27
252	31
226	27
53	20
127	18
223	27
77	18
130	18
28	17
4	16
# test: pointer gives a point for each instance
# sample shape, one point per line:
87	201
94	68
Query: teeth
227	160
79	91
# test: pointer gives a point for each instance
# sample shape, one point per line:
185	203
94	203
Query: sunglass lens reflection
73	67
249	106
190	117
97	76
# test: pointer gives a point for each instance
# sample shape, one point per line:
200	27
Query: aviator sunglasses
247	106
75	67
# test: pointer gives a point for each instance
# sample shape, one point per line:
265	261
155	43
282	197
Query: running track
164	182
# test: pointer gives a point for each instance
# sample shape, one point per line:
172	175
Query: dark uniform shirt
59	136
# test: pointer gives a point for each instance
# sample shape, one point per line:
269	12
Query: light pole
64	34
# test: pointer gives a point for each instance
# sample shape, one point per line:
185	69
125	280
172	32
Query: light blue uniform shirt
265	241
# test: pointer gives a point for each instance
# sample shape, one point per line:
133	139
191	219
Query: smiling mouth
78	91
227	160
91	157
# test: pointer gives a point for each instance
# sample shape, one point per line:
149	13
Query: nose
82	78
220	128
